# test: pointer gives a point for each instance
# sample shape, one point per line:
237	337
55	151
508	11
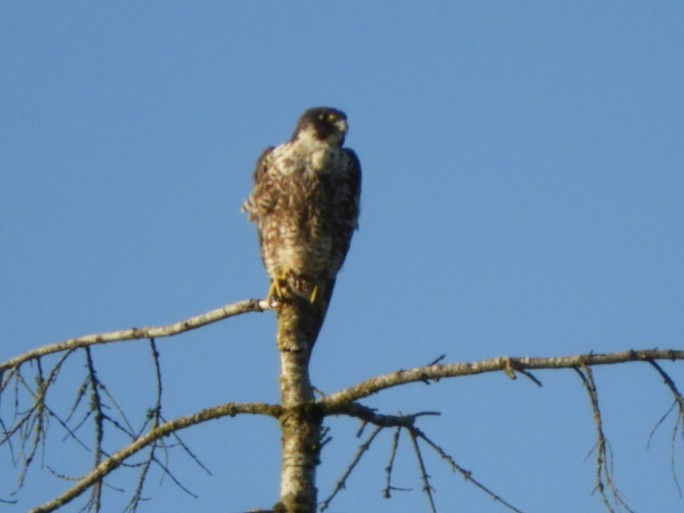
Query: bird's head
323	124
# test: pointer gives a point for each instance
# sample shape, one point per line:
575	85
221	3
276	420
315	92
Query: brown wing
263	198
347	198
345	220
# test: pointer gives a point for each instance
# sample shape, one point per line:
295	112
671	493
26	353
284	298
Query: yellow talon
277	288
286	284
314	294
280	285
273	290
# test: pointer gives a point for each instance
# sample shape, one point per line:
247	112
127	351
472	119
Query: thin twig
176	481
604	473
342	482
387	492
116	459
467	474
679	423
427	488
671	385
153	420
531	377
98	421
188	451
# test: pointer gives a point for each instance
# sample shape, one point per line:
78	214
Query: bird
305	204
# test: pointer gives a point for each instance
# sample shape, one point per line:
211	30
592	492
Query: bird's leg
279	287
288	284
274	291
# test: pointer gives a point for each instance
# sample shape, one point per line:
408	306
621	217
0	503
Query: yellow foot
278	290
280	287
287	284
275	291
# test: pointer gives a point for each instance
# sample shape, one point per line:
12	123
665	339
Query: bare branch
98	419
604	472
679	423
467	474
154	419
371	416
116	459
32	425
387	492
671	385
427	488
342	482
29	424
381	421
241	307
336	402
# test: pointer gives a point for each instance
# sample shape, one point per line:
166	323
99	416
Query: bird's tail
312	298
319	306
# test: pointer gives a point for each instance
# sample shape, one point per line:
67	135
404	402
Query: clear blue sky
523	195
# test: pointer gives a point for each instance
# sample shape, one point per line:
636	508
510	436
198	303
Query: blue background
523	195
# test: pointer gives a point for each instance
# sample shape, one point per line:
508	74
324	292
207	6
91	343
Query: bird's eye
331	117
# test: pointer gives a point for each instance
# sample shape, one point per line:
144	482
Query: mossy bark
300	422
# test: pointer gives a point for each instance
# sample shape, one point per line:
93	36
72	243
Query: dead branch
407	422
425	477
98	420
115	460
154	418
342	482
370	416
604	464
387	492
337	402
298	402
679	399
467	474
679	423
231	310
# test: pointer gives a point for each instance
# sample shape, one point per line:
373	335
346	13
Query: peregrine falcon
305	204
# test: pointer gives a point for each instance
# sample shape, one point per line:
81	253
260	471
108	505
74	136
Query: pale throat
318	153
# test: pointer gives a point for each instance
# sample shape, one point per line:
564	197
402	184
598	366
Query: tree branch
298	410
467	474
342	482
604	463
337	402
115	460
218	314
